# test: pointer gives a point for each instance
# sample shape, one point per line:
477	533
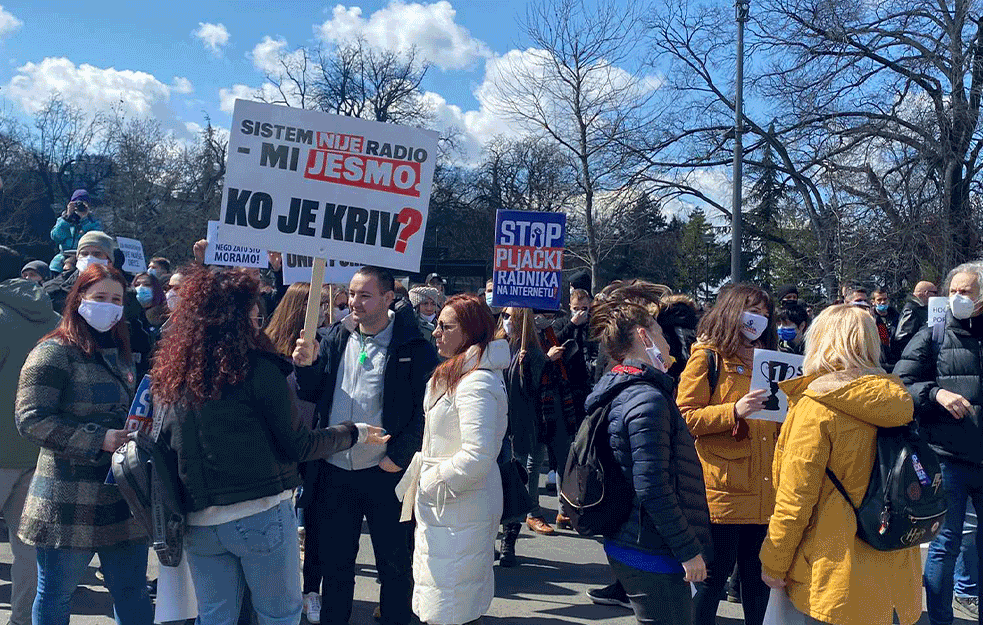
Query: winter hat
39	266
786	290
419	294
581	280
81	195
95	238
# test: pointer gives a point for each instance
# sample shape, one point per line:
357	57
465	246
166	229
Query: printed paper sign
141	416
323	185
770	368
937	308
299	269
220	253
133	251
528	259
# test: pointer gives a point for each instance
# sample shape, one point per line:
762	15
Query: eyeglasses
506	316
446	327
258	320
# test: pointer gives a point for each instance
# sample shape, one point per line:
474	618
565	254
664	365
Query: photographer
72	224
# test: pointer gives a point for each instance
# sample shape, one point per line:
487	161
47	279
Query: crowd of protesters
405	407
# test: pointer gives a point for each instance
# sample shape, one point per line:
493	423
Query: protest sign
226	254
141	416
770	368
528	269
133	252
176	597
937	309
327	186
297	268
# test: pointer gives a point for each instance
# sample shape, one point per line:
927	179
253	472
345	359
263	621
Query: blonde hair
842	337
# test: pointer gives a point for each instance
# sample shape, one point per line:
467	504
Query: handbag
515	495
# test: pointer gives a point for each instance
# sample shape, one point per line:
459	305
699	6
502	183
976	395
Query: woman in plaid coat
74	392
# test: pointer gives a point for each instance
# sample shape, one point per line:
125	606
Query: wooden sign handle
314	300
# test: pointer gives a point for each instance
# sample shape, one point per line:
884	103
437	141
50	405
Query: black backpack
145	470
905	504
594	492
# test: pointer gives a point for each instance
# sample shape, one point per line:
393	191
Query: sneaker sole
603	601
959	608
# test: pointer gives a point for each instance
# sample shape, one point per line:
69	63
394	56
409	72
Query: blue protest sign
528	269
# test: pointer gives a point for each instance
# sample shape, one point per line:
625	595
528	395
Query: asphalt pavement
547	588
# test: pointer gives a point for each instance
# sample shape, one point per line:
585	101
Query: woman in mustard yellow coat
812	551
736	451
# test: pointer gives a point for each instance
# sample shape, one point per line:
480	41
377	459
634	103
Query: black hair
383	276
11	263
793	313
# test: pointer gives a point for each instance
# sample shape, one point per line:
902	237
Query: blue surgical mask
881	308
153	271
488	298
145	295
787	334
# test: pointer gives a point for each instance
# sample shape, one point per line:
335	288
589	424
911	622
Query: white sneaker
551	478
312	607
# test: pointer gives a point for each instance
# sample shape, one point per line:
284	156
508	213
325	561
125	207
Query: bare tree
573	88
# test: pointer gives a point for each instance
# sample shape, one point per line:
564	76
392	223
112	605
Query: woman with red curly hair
74	393
454	486
230	416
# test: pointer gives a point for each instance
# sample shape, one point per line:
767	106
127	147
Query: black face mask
542	322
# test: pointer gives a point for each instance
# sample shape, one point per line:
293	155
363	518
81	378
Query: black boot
508	558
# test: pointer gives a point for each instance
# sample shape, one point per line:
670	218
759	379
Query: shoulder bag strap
839	486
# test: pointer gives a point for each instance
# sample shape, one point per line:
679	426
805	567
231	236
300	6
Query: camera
81	207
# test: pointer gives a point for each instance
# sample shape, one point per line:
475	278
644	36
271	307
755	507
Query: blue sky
180	60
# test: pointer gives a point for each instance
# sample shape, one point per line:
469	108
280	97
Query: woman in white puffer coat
453	486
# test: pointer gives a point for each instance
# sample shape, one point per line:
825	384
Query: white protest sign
298	268
176	598
220	253
770	368
937	308
328	186
133	251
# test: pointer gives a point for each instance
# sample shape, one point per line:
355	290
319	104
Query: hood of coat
869	396
497	356
630	372
28	300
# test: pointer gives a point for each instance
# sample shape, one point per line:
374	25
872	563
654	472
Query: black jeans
740	544
341	500
656	598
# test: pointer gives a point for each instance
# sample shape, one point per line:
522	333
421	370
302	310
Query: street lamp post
708	239
743	7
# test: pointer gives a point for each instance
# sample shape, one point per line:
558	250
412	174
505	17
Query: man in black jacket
374	372
914	314
945	378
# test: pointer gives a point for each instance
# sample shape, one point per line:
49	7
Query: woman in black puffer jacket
664	544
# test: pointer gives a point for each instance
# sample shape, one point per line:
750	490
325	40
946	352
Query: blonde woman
812	551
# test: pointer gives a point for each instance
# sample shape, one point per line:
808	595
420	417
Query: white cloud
266	54
193	128
8	23
214	36
227	97
182	85
85	86
400	26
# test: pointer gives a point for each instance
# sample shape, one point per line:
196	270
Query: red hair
478	327
74	330
207	345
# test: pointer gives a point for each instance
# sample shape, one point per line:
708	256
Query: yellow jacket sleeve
693	397
800	468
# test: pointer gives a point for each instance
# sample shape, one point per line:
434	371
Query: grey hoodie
25	316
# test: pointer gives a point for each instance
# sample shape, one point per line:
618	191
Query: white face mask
173	299
961	306
102	316
428	318
86	261
655	356
507	326
488	298
753	325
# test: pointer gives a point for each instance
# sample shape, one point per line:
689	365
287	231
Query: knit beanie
420	294
95	238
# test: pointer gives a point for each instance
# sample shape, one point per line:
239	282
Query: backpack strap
839	486
713	369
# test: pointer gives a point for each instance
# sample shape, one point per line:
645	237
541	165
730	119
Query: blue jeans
261	551
61	570
961	482
967	566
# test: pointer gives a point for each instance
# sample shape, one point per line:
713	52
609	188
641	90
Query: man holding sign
375	372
